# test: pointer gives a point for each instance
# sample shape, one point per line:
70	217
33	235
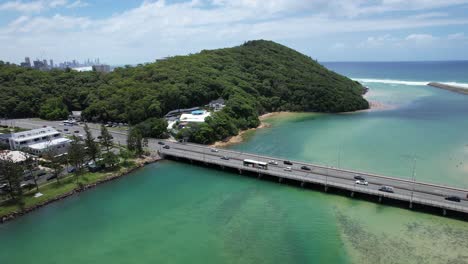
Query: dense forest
256	77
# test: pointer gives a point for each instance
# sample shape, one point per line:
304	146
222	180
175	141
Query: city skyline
138	32
49	63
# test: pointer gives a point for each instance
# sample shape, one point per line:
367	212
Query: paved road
418	192
120	136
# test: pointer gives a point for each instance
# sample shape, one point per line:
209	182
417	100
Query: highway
404	190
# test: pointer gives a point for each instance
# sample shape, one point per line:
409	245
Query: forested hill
256	77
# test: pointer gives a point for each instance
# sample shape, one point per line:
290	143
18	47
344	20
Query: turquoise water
178	213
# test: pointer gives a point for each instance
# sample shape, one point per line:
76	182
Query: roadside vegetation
88	161
254	78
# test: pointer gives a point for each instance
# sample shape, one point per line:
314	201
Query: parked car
305	168
453	198
99	137
51	177
288	169
27	185
362	182
287	162
388	189
76	131
65	129
71	169
272	162
214	150
358	177
166	147
161	143
28	177
225	157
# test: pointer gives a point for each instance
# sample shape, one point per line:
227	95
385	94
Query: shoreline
117	175
373	106
239	138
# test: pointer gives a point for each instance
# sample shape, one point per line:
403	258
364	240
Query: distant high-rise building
45	63
39	65
51	65
26	63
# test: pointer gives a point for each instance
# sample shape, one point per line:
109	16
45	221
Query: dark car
161	143
359	178
51	177
99	137
65	129
166	147
28	185
225	157
76	131
305	168
453	198
287	162
388	189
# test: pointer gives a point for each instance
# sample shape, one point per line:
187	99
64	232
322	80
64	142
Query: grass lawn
54	189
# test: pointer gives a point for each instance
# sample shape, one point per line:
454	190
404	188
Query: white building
39	140
197	116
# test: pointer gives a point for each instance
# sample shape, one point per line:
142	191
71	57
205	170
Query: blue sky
130	32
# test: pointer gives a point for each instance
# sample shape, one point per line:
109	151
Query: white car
272	162
214	150
360	182
287	169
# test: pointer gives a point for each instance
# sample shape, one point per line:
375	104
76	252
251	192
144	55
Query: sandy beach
374	106
240	137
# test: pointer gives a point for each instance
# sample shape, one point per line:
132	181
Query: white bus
256	164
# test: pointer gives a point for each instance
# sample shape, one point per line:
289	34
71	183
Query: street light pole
413	177
339	156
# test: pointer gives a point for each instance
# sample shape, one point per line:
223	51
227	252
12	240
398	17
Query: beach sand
374	106
240	137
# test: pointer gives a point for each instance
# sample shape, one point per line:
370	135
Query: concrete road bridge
413	194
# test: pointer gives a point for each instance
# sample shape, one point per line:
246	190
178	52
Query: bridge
414	193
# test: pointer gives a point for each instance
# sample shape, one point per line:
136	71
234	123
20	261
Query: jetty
406	192
453	88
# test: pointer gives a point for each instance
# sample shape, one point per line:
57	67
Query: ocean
172	212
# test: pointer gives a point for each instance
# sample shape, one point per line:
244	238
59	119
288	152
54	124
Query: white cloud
23	7
77	3
457	36
38	6
158	28
377	41
421	38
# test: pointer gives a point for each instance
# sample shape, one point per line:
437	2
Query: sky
130	32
